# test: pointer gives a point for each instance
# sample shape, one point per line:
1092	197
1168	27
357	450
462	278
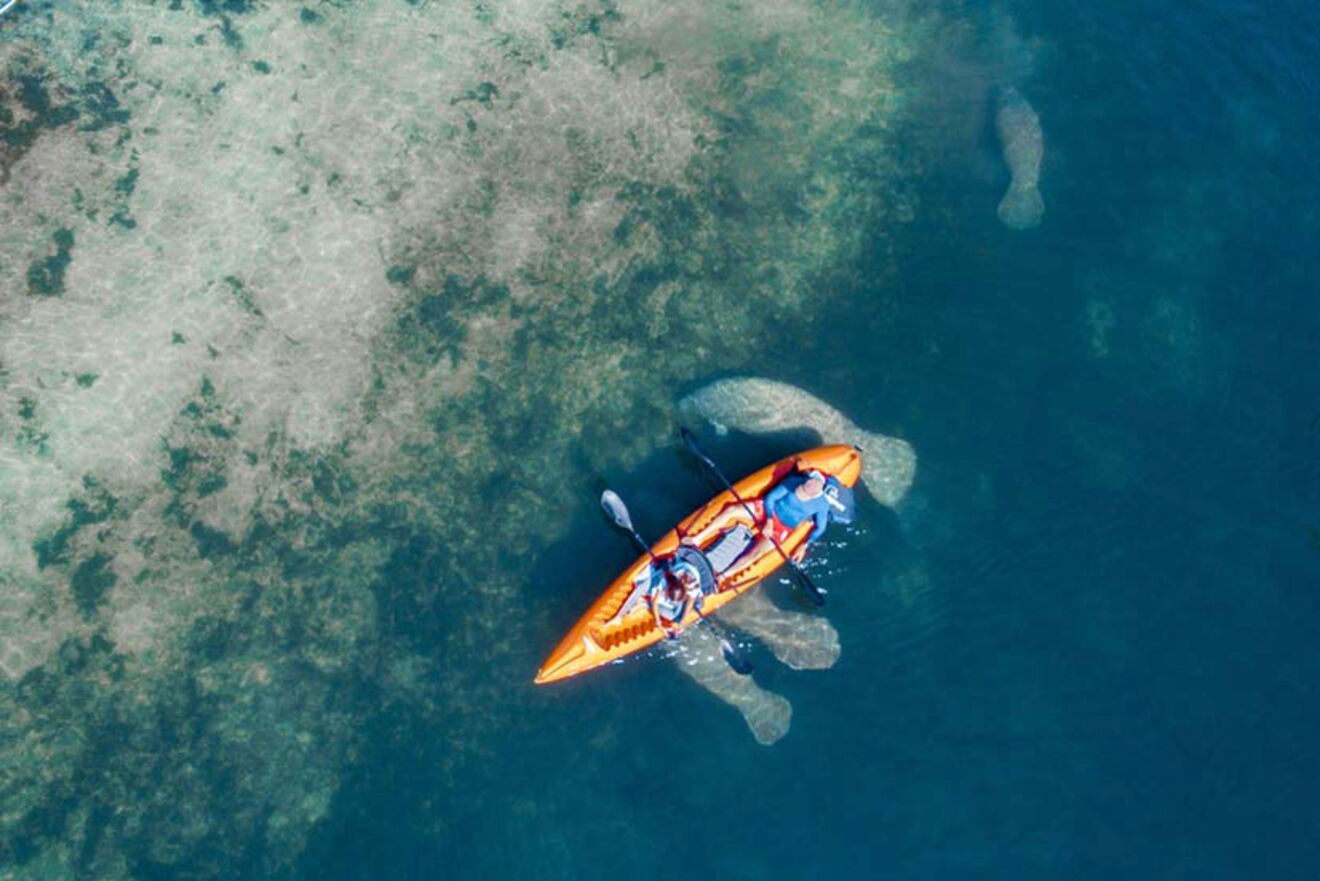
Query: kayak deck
620	622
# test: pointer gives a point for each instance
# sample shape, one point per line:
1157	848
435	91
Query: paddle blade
736	660
690	441
733	656
616	510
806	585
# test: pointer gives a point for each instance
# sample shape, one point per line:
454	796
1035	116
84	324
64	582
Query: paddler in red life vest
795	499
679	585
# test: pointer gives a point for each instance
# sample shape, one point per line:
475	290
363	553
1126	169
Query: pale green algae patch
338	277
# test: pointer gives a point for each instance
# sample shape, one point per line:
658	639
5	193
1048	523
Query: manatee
767	714
802	641
1020	135
756	405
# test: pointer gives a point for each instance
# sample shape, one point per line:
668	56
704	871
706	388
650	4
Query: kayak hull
616	626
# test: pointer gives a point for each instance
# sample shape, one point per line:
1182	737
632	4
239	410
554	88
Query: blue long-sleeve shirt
791	511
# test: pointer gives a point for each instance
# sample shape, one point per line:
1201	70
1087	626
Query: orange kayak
621	621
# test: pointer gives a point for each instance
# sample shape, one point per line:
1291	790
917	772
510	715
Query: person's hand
800	554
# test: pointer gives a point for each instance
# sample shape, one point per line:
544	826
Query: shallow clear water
322	327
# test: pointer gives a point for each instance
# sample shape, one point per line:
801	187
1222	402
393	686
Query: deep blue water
1113	671
1084	646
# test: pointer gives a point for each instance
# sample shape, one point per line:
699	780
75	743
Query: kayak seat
730	546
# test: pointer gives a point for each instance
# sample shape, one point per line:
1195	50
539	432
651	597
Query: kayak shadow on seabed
571	574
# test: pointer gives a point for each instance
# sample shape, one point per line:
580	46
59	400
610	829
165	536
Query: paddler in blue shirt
797	498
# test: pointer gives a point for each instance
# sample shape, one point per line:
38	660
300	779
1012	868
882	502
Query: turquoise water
323	325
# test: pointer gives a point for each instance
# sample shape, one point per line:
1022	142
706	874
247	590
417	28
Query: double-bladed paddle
800	578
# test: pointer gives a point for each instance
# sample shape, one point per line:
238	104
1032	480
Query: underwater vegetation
285	288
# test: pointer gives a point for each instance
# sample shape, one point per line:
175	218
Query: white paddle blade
614	506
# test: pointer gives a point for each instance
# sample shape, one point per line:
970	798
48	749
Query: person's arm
659	619
772	499
821	519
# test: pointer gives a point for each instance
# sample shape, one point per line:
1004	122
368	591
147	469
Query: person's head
813	486
682	581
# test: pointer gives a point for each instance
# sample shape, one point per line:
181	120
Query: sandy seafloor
323	323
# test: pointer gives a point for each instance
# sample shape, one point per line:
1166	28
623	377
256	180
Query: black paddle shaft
803	581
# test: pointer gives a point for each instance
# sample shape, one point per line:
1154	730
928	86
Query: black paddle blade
690	441
616	509
806	585
735	659
733	656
